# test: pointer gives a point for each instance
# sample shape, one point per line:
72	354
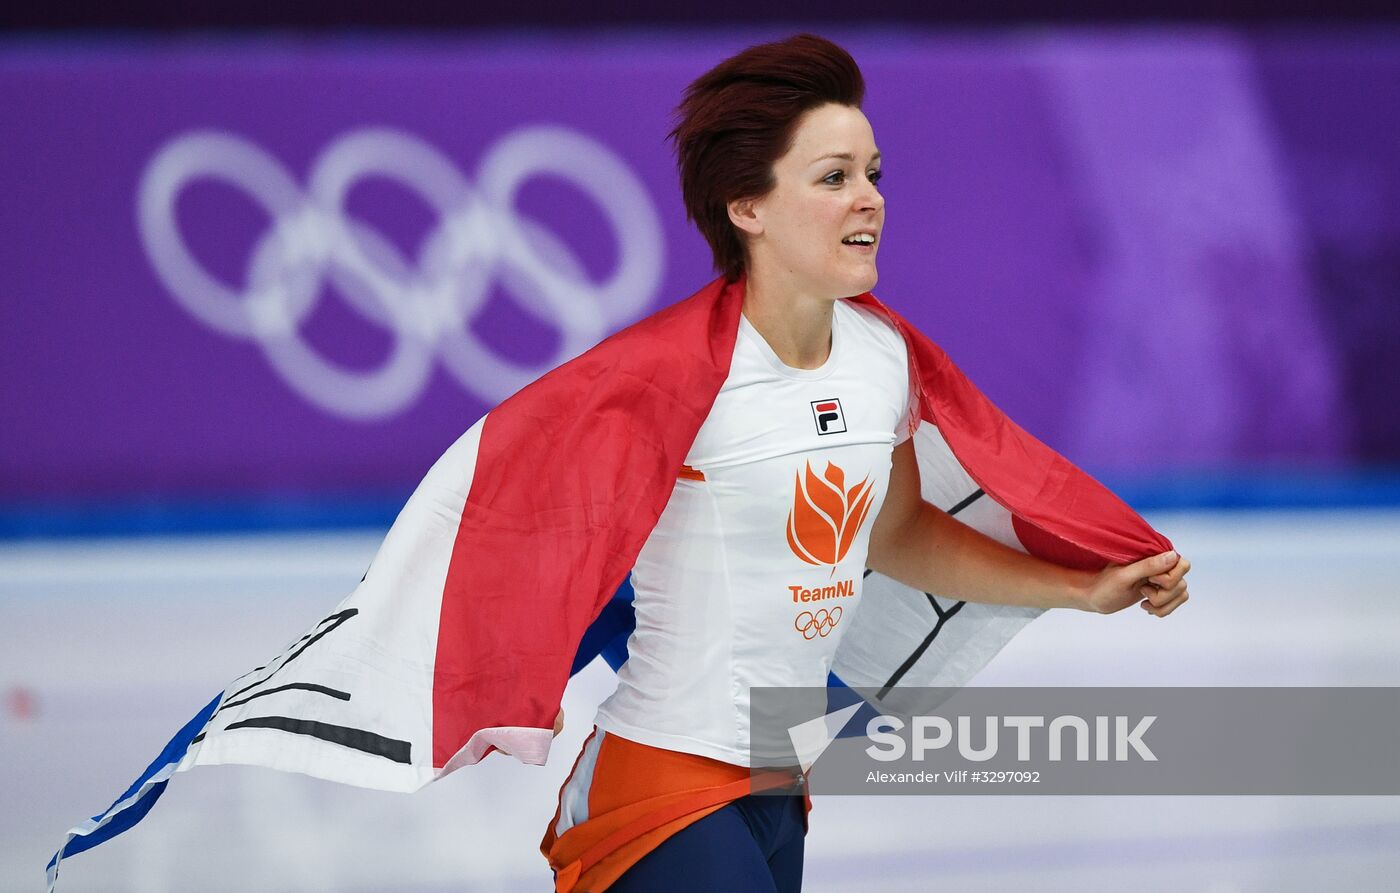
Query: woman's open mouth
862	242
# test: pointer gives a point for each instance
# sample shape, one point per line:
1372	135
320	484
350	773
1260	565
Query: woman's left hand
1157	583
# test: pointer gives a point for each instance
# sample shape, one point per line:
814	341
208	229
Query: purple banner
306	267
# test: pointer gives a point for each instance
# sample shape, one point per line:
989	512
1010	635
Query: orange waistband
639	796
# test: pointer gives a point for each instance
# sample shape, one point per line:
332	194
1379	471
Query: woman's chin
863	281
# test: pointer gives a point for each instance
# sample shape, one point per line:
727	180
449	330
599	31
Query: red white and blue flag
464	631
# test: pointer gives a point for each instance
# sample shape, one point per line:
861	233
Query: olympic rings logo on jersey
817	623
427	303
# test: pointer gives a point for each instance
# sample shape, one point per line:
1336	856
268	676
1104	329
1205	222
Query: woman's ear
743	213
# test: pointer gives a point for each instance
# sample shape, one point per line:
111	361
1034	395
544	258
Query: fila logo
830	419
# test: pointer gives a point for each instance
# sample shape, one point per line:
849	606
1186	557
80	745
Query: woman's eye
836	178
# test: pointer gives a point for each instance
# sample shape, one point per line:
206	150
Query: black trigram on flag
830	419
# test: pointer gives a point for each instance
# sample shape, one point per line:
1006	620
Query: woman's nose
869	198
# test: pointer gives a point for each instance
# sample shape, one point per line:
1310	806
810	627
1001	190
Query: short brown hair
739	117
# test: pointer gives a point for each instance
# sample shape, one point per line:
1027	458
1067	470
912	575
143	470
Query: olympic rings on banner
426	303
819	623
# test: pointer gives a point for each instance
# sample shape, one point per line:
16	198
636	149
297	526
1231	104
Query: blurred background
260	266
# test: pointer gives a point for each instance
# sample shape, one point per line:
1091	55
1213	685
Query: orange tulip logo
826	516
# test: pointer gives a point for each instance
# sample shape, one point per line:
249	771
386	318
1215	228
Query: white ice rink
108	646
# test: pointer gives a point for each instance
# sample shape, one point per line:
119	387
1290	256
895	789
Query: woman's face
825	193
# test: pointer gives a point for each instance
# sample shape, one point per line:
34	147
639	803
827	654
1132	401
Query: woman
803	473
744	455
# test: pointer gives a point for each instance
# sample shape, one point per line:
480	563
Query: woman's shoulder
871	325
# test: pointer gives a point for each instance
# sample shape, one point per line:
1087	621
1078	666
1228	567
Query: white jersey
755	568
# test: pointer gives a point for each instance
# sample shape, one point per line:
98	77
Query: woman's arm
922	546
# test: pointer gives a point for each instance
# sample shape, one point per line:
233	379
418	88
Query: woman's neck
796	325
